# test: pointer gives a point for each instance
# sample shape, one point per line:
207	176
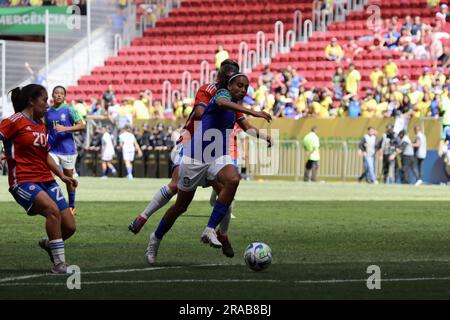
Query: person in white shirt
107	152
420	153
129	145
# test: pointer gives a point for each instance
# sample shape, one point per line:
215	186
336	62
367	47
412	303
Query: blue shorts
25	194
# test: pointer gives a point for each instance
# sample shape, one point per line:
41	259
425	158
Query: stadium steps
309	59
188	36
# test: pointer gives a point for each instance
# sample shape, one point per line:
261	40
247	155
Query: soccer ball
258	256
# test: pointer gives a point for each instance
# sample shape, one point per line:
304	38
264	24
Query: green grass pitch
323	237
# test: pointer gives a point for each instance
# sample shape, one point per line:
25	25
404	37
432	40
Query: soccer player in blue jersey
62	120
206	160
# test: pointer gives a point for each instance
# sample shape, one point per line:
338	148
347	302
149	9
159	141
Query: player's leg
71	191
129	167
184	198
159	200
229	178
222	231
68	165
111	167
105	169
191	175
67	224
46	207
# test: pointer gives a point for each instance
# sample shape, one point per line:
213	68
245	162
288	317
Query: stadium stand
182	41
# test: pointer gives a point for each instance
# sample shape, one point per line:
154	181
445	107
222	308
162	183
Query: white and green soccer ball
258	256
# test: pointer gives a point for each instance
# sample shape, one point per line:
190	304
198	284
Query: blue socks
162	229
219	211
72	199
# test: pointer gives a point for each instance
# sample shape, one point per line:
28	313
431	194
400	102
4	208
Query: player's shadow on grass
194	216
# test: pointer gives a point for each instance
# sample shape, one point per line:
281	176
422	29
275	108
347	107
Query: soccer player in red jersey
30	168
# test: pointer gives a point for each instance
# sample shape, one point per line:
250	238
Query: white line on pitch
3	280
137	282
330	281
364	280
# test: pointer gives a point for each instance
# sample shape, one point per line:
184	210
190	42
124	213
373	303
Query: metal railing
339	159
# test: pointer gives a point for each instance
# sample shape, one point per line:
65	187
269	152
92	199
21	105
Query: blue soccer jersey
61	142
446	136
211	138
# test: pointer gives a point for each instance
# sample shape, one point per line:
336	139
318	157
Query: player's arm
253	131
57	171
7	131
138	148
1	152
229	105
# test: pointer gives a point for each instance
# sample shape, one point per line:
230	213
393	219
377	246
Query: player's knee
173	187
52	213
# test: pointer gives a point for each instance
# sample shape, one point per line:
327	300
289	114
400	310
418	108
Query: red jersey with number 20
26	149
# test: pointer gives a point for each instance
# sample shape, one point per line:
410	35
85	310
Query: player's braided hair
20	97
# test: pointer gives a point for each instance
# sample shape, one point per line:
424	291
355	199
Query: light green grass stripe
117	189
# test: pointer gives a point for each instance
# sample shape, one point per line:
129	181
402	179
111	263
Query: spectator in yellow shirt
426	80
391	69
333	51
415	96
369	105
140	110
221	56
381	108
352	80
376	76
423	107
36	3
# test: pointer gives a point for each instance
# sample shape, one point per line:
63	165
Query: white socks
160	199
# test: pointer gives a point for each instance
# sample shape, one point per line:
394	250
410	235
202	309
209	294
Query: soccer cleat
227	249
233	216
43	243
137	224
73	211
60	268
419	182
152	249
209	236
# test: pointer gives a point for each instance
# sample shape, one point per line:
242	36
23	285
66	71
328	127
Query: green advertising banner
31	20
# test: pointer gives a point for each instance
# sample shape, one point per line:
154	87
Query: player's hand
264	115
70	181
269	141
60	128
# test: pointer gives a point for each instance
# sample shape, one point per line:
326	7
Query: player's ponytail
16	99
20	97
